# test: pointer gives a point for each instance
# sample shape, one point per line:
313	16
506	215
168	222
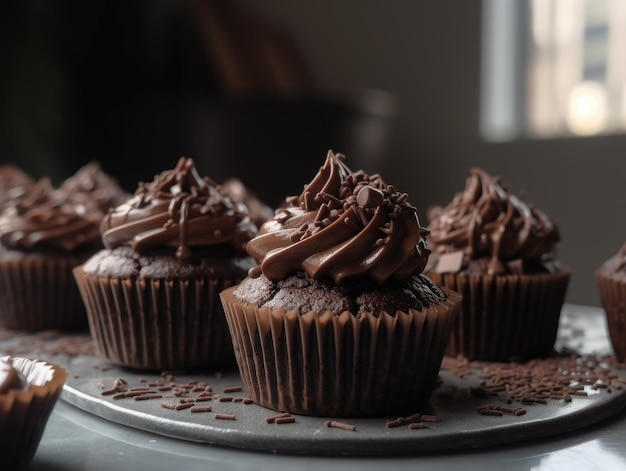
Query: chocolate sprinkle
273	418
537	381
183	405
225	416
340	425
285	420
412	419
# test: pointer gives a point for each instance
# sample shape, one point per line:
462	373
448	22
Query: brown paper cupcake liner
613	296
158	324
40	293
505	317
335	366
24	414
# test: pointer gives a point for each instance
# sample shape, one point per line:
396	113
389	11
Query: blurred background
533	91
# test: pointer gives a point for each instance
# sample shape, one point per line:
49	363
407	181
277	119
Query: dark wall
98	80
136	84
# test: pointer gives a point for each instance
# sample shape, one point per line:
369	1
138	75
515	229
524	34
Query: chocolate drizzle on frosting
487	221
42	221
180	210
344	225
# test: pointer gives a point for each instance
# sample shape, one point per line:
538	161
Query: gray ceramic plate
460	425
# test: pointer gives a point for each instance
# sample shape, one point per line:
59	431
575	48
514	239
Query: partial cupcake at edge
152	293
44	233
499	252
611	282
29	390
42	238
337	319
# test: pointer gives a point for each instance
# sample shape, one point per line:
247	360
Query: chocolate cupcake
611	281
499	252
152	293
29	390
337	306
42	238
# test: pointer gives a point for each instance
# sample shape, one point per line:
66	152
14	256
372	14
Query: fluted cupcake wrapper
158	324
24	413
613	296
505	317
40	293
335	366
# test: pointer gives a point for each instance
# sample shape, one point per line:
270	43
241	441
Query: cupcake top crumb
487	229
41	220
344	225
122	262
302	293
178	210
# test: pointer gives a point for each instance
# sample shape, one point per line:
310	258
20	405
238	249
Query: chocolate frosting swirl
94	189
42	221
14	184
344	225
487	221
179	210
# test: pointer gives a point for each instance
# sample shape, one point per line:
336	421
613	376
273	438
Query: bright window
553	68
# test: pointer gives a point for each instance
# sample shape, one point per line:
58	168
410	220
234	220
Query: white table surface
77	440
